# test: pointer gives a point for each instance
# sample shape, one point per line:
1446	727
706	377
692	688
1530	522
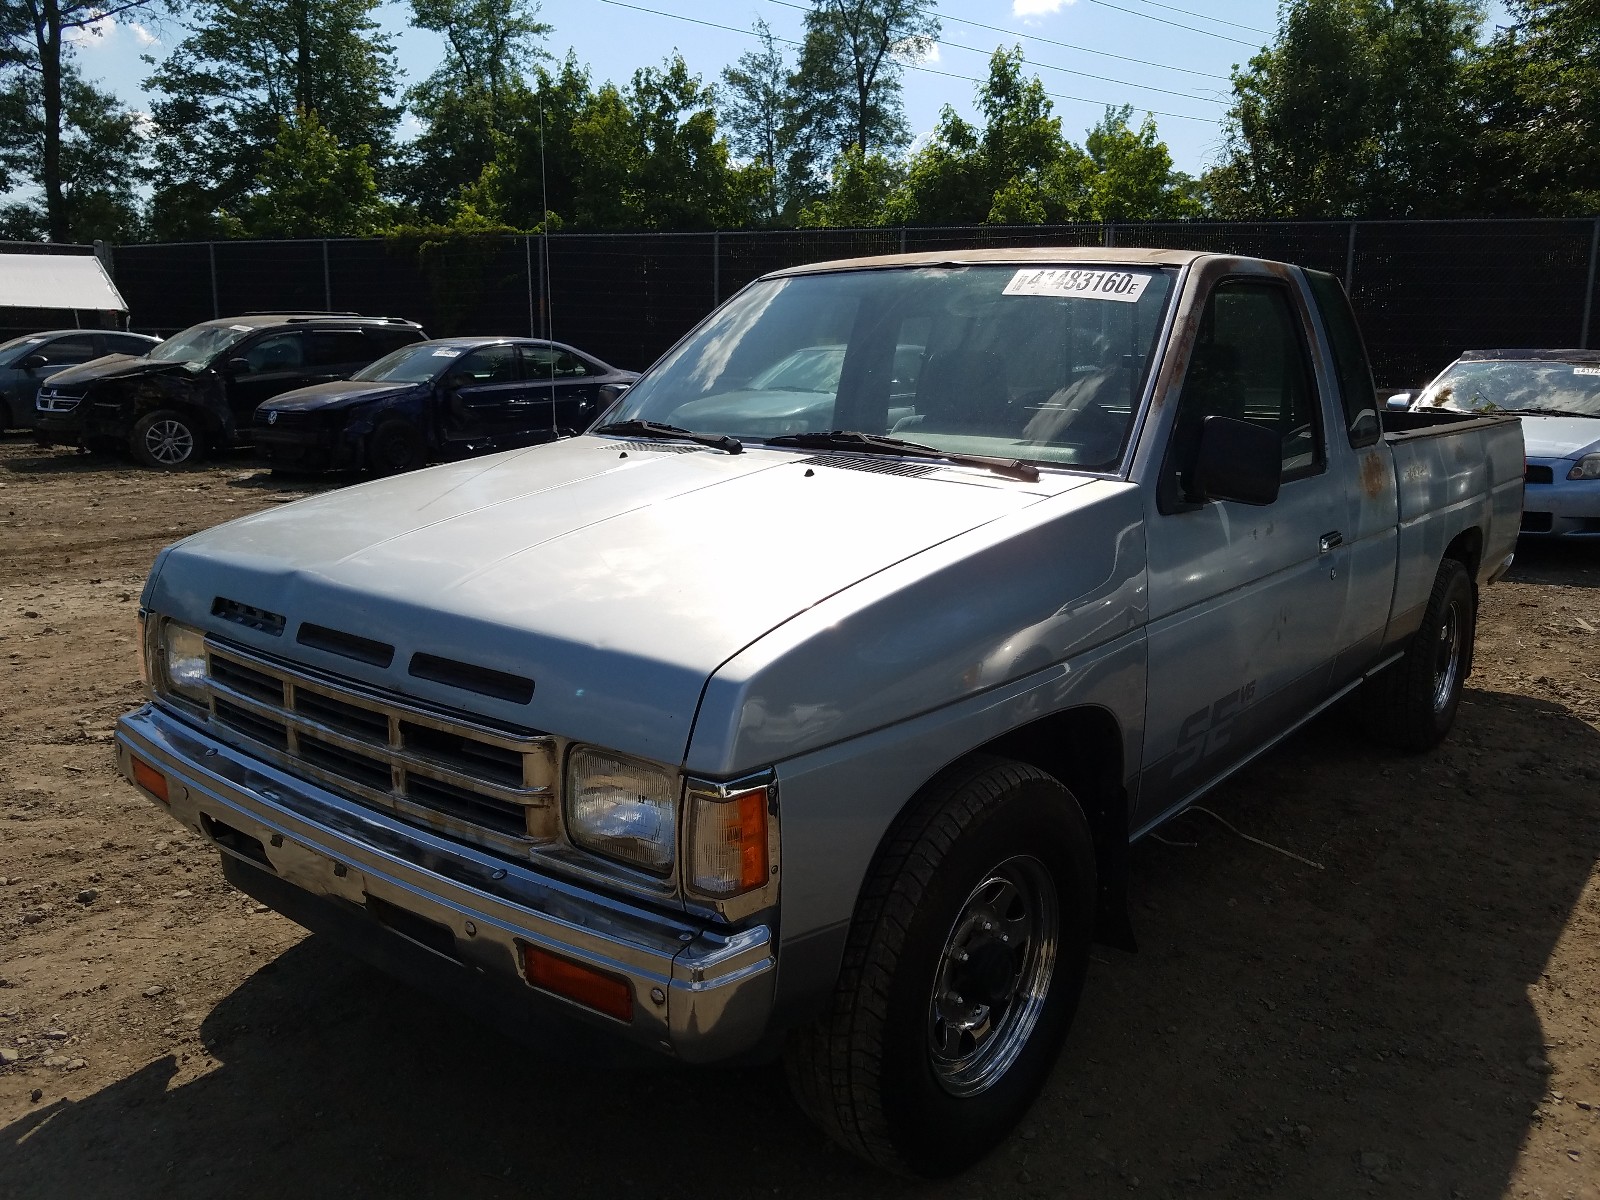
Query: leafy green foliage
862	184
310	186
248	66
1535	94
1358	109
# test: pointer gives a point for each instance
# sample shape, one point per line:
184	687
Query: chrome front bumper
698	994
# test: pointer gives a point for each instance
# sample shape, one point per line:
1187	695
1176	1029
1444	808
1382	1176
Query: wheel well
1467	549
1082	747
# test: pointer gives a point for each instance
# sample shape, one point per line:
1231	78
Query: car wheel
1414	701
7	421
167	440
961	973
396	446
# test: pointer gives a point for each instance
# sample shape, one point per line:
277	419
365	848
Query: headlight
182	666
622	808
1587	467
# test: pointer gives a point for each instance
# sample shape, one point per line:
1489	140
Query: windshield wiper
1549	412
873	443
655	429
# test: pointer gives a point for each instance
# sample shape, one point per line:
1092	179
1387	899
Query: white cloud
94	33
932	56
1037	8
142	35
916	50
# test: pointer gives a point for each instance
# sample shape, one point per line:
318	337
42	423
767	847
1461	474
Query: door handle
1329	541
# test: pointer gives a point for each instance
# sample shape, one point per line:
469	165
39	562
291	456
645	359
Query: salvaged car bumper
697	993
306	449
1561	507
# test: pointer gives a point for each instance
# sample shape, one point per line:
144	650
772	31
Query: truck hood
338	394
1559	437
617	575
114	366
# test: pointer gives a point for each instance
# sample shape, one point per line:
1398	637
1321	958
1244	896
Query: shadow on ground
1284	1031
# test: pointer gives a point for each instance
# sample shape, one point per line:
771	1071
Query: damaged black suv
198	390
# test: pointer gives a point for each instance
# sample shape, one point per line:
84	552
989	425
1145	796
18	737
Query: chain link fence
1425	290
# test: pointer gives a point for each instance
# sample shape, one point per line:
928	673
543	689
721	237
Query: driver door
1245	601
484	396
273	363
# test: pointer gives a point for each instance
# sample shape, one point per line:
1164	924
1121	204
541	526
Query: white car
1557	395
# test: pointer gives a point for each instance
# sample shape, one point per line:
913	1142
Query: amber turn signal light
150	779
573	981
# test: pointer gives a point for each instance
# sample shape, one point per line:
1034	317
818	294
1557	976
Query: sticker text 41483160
1089	283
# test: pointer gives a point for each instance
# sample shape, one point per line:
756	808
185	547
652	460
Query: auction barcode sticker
1586	370
1081	282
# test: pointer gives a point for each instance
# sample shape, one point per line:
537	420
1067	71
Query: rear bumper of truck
398	893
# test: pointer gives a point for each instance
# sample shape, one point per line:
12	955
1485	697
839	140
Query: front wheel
166	440
961	973
396	446
1414	701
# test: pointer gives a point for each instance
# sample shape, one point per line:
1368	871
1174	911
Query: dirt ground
1420	1017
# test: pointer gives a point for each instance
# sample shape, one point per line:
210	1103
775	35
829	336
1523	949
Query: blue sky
1078	48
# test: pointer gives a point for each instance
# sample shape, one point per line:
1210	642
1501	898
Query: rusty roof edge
1117	255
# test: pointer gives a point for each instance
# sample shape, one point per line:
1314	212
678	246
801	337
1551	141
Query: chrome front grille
56	400
486	786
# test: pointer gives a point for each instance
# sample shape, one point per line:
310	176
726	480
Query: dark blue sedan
438	400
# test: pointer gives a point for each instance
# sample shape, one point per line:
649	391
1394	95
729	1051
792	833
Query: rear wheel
167	440
1415	700
396	446
961	973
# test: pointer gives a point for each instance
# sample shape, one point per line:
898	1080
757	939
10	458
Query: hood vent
663	448
872	463
247	615
346	645
498	685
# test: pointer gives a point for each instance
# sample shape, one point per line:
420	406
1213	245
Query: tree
861	186
754	106
1358	109
310	186
98	162
246	67
471	98
647	156
846	87
1130	175
31	40
1535	94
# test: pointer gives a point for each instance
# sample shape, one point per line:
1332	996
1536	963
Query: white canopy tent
74	282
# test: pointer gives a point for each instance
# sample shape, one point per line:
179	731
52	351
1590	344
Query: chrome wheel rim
1447	658
169	442
993	976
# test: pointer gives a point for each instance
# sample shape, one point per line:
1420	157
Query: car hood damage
617	574
114	366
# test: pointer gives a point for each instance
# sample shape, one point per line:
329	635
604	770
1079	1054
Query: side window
276	352
539	362
488	364
381	340
121	344
68	351
1357	392
1249	363
337	348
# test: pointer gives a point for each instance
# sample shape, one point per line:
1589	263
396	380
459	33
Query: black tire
167	440
873	1072
396	446
1413	702
7	421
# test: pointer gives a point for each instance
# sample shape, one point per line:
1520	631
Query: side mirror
237	366
33	362
1237	461
1399	402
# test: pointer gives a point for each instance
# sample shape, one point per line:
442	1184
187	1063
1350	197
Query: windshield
1519	386
1039	363
416	363
17	349
198	344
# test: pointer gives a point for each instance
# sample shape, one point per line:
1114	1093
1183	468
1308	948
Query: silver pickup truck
812	699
